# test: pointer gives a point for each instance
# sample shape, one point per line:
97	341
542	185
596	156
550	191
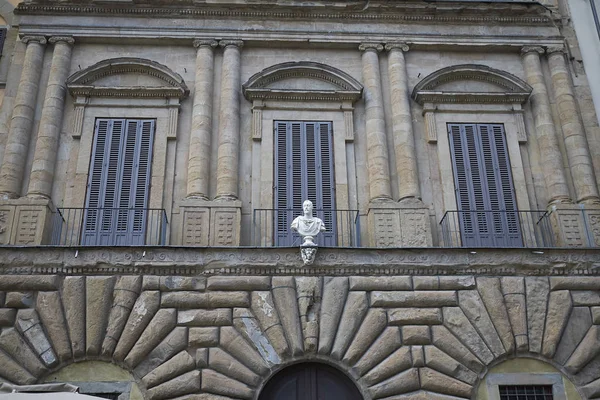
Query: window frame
493	381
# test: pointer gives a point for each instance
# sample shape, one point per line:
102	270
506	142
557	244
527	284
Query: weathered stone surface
7	318
214	382
404	382
13	344
203	337
592	390
585	297
173	283
268	319
514	298
456	282
143	310
126	292
14	372
355	310
245	323
596	315
491	294
98	301
574	283
587	350
217	317
415	334
415	316
19	300
28	324
334	297
559	308
226	364
373	324
29	282
537	289
579	323
184	384
284	298
239	283
471	304
370	283
440	383
395	363
309	292
456	321
179	364
162	323
448	343
175	342
382	347
235	344
151	282
425	283
73	297
49	308
414	299
589	373
418	358
186	299
440	361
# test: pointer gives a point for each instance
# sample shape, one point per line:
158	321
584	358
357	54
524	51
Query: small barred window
526	392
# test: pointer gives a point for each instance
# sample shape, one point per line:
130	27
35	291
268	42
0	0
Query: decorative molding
555	49
205	42
349	89
532	49
230	42
34	39
257	109
404	47
371	47
430	124
62	39
515	89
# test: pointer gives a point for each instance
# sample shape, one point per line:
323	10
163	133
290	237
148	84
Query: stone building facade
152	154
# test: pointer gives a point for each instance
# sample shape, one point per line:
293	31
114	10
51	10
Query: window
487	208
304	170
525	392
118	185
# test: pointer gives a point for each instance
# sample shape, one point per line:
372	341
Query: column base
210	223
25	221
404	224
576	225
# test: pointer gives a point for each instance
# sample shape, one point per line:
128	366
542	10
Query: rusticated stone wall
413	337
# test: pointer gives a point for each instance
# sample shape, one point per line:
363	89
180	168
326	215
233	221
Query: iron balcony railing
271	228
109	227
496	228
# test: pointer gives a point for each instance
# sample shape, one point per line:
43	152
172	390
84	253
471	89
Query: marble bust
307	225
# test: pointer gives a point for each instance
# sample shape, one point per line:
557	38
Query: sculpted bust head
307	225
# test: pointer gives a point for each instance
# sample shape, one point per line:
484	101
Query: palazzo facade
153	156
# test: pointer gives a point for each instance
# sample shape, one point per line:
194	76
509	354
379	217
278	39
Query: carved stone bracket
308	254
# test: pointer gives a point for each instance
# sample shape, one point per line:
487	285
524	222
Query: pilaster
210	223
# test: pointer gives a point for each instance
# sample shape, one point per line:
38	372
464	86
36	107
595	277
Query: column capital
33	39
63	39
236	43
369	46
402	46
555	49
531	49
205	43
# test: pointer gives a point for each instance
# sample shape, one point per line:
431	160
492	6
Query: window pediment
127	77
303	80
471	83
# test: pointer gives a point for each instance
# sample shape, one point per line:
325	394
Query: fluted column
17	144
46	145
578	153
229	122
200	138
404	141
551	157
377	153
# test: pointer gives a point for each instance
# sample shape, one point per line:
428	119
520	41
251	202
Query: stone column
46	146
404	141
551	156
377	153
17	144
200	138
578	153
229	122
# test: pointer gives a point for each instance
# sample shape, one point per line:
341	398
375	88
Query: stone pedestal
575	226
404	224
210	223
25	221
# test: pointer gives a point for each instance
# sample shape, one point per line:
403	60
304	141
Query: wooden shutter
483	184
304	170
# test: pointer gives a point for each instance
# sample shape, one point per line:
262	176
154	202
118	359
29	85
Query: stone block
173	283
370	283
245	322
388	342
415	334
202	358
585	297
236	345
19	300
559	309
151	282
286	304
183	384
161	325
15	346
214	382
190	300
439	383
263	309
457	322
398	361
225	224
195	226
175	342
415	316
73	297
31	221
181	363
404	382
456	282
354	311
99	291
227	365
394	226
596	315
216	317
373	324
574	283
29	282
418	358
413	299
335	291
7	215
568	226
440	361
426	282
447	342
537	289
28	324
239	283
203	337
7	316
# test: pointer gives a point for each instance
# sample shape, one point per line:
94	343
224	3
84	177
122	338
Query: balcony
109	227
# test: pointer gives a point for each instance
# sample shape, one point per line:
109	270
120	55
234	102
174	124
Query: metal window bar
529	229
525	392
343	228
109	227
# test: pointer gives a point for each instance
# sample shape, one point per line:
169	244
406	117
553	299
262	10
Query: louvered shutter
483	184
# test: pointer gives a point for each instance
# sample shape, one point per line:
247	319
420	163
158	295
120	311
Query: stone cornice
34	39
302	95
126	92
470	97
286	261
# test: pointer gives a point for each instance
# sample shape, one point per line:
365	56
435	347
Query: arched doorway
310	381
